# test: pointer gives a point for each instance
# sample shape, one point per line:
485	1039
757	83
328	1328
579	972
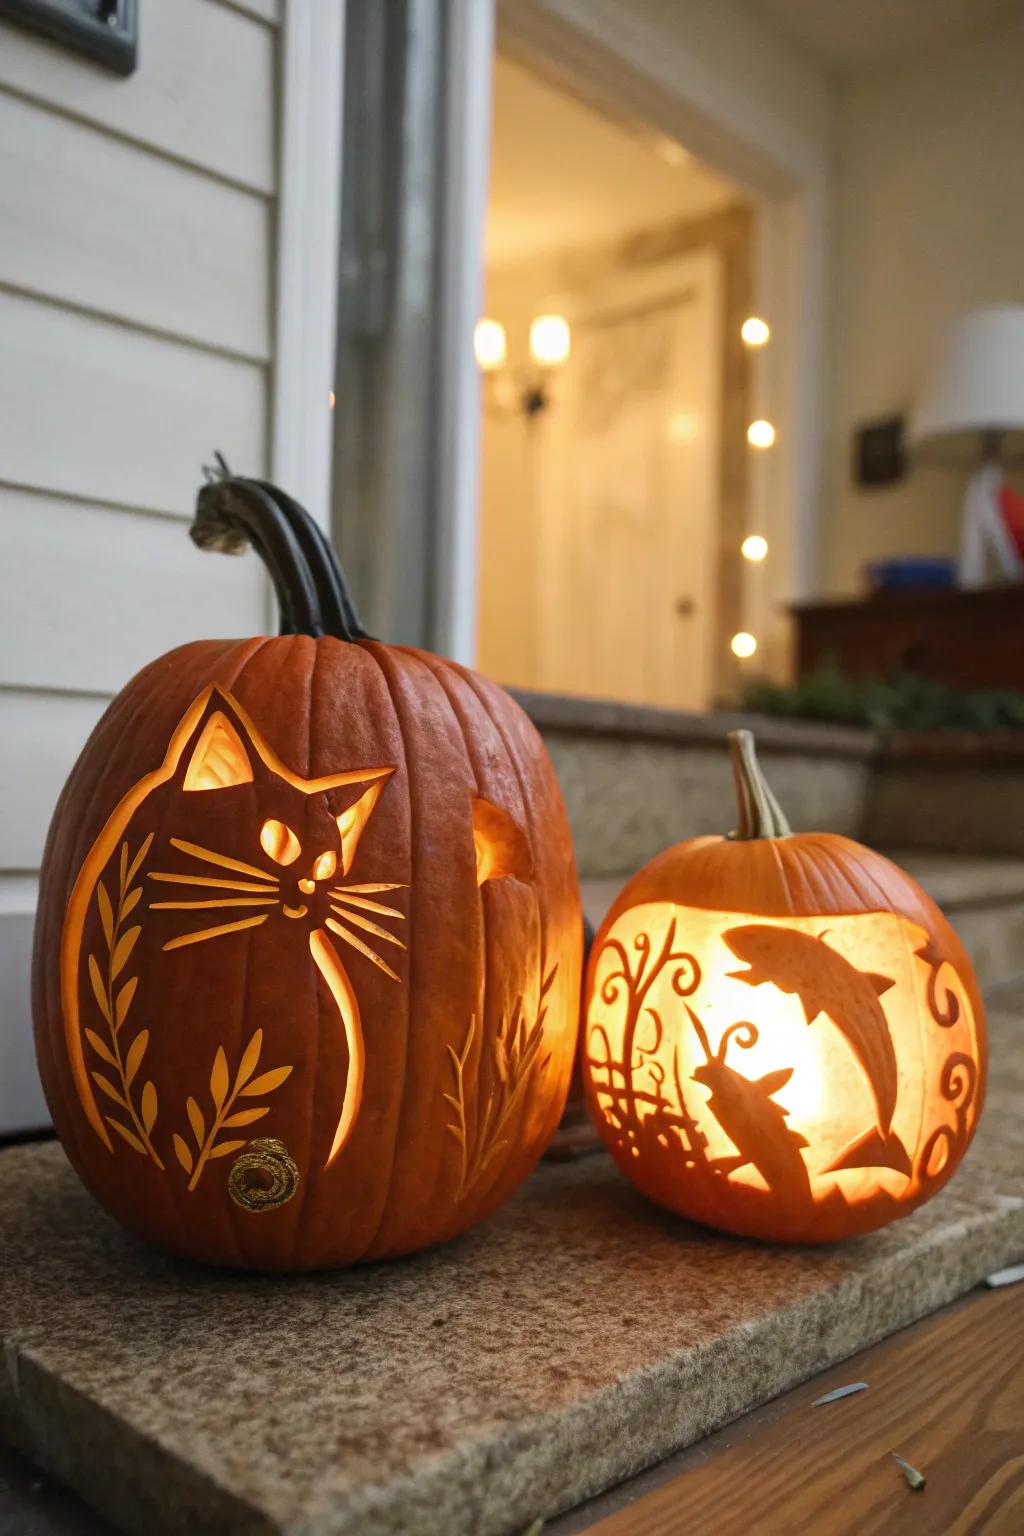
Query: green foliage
904	702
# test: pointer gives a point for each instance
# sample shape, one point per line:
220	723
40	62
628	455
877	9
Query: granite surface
950	806
580	715
578	1337
628	799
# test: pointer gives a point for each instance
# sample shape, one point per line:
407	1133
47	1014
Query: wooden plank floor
947	1394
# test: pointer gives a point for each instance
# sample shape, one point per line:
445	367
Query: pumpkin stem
310	587
760	814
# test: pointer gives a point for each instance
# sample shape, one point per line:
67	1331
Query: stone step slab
578	1337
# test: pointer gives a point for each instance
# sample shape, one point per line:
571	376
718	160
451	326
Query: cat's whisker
366	905
357	943
209	856
224	901
373	887
367	926
244	886
198	936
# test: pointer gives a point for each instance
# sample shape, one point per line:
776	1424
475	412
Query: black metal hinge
104	30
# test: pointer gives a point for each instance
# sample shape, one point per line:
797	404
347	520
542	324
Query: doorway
612	451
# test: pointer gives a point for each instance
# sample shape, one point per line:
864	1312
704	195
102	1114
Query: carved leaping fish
826	983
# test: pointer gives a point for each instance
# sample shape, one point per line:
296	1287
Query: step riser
951	810
628	800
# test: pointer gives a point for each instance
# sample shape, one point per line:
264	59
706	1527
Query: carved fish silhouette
826	983
747	1114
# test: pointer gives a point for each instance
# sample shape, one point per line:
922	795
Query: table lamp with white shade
972	407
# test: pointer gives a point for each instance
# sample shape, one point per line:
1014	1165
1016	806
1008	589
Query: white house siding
136	305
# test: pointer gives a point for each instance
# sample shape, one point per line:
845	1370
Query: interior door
628	492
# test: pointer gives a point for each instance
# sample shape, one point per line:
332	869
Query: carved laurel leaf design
225	1117
114	1004
513	1059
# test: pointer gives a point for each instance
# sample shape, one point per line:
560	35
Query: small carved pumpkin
307	961
783	1035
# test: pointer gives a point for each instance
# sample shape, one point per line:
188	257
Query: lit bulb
489	345
754	547
549	340
743	645
760	434
755	332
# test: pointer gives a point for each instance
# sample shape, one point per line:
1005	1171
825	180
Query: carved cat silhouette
223	839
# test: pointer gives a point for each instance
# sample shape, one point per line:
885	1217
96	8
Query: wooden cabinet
969	639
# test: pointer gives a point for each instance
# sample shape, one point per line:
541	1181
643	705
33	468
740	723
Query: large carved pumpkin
783	1035
307	961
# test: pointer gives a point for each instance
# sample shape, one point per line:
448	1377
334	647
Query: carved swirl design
958	1085
264	1176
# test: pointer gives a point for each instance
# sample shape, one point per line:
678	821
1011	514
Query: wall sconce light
526	392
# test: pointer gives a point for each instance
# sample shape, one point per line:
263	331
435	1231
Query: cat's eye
279	842
325	865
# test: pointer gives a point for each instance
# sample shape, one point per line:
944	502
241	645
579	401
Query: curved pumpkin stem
760	814
308	580
336	604
231	513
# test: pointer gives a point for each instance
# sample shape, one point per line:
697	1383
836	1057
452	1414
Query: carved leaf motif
98	989
101	1047
129	1136
130	902
133	1060
106	1086
196	1121
124	1002
138	861
244	1117
182	1153
149	1106
122	950
224	1148
219	1079
266	1083
247	1065
106	912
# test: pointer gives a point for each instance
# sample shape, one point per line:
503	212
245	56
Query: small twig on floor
915	1479
838	1392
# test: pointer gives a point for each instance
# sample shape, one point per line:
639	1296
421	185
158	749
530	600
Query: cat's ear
219	758
352	822
501	847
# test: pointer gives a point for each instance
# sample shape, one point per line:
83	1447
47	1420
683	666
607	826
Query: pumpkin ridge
378	651
484	1188
482	690
439	672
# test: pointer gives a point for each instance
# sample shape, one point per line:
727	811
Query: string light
754	547
755	331
743	645
760	434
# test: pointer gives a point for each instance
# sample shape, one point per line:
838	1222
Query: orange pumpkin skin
744	1092
421	1085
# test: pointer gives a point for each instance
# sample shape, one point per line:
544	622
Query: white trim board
309	178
